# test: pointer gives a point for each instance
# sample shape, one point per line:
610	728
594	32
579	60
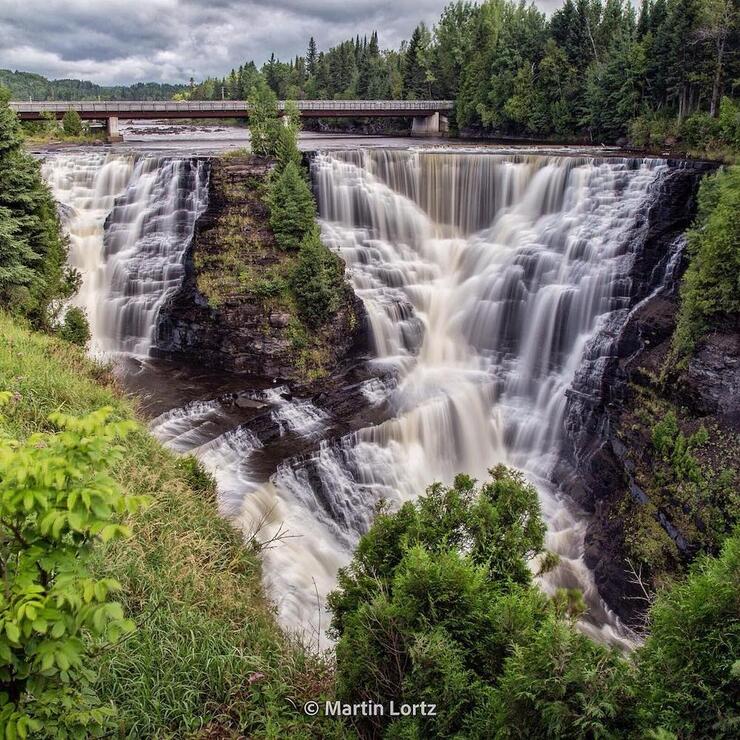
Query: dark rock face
711	383
243	332
596	471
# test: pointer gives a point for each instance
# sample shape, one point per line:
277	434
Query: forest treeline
30	86
594	69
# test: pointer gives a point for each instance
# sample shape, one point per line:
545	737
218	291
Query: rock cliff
234	309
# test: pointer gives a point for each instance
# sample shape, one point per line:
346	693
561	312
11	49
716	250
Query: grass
207	659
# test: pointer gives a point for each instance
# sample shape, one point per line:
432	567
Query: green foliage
56	498
688	669
29	86
292	207
560	684
434	598
711	285
75	327
263	119
32	249
207	656
317	281
72	123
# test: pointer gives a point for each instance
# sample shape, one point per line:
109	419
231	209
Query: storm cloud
124	41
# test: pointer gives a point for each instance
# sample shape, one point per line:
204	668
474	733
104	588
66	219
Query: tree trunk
717	84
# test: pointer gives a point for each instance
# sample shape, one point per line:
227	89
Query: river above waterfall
488	275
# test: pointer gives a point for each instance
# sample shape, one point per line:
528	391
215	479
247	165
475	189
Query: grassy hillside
207	659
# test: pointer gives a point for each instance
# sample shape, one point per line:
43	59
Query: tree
560	684
34	248
263	119
56	499
453	39
311	58
710	285
434	598
72	123
718	20
17	262
417	75
75	327
292	207
317	281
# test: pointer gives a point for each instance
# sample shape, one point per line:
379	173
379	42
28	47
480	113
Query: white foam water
484	278
130	220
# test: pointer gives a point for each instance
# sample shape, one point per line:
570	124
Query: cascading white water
129	221
484	277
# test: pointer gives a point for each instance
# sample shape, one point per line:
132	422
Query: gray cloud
124	41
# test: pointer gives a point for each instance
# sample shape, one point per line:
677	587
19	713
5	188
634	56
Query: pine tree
416	81
318	281
33	251
292	208
311	58
263	119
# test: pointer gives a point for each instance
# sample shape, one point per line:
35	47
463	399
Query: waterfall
486	279
491	281
129	220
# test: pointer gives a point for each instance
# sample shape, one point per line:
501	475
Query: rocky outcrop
234	310
598	467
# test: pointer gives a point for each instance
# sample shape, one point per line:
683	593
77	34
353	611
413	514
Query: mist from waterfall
129	220
486	279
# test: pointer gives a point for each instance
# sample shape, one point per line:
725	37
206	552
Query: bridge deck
139	109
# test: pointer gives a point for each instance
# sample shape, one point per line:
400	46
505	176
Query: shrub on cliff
689	668
292	207
434	599
318	281
56	499
711	286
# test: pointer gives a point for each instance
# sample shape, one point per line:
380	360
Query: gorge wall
646	523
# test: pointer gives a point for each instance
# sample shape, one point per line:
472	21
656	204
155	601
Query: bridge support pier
114	134
426	125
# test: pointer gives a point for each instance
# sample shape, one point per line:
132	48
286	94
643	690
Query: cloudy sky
123	41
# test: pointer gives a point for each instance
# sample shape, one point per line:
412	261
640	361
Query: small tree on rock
318	281
292	208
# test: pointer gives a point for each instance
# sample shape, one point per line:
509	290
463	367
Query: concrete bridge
429	117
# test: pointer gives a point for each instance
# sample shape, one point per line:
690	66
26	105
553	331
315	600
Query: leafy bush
689	668
434	598
56	499
292	207
560	684
699	130
711	285
72	123
729	122
75	327
317	281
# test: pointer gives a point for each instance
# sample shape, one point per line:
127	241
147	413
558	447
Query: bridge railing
113	107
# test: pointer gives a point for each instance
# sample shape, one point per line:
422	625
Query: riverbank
207	656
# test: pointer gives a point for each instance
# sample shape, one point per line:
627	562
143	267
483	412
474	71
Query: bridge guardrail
190	106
